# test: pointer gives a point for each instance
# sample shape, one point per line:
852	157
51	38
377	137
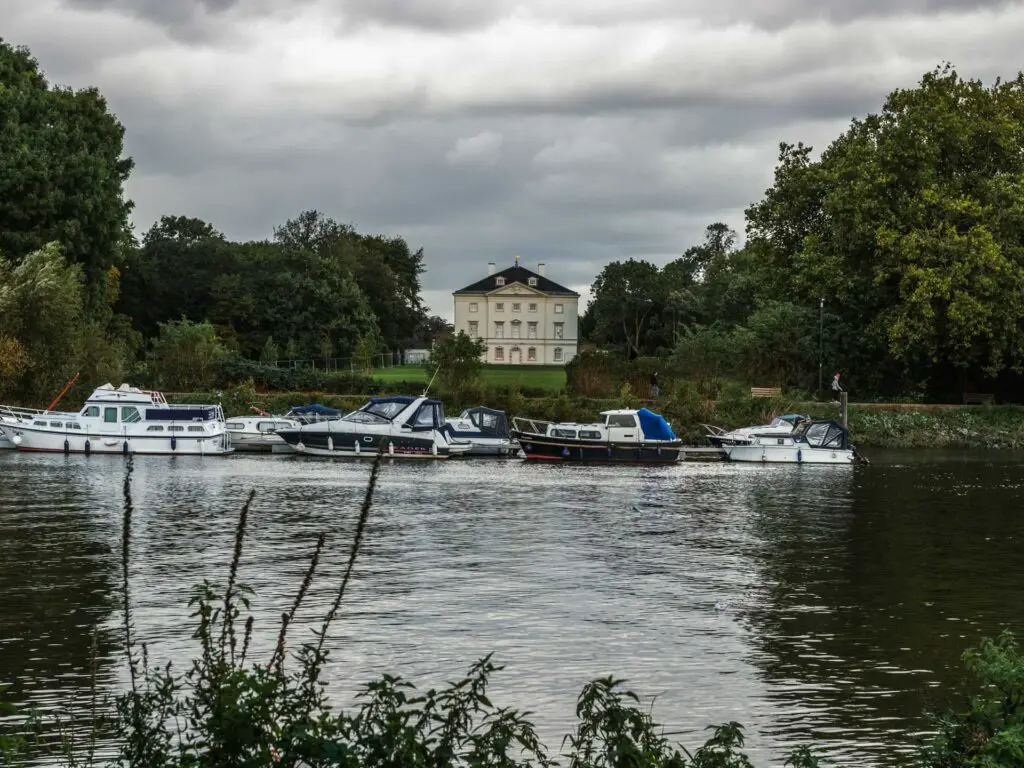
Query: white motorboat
258	434
780	425
401	426
125	420
14	417
486	429
622	436
812	442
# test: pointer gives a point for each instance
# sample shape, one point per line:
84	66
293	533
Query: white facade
524	318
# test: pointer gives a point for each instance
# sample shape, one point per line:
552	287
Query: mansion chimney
490	268
540	269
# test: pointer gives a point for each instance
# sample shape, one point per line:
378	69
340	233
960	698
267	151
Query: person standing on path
836	386
654	384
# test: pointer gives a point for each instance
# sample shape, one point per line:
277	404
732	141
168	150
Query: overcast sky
572	132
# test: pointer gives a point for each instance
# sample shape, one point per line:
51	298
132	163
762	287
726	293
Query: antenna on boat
429	383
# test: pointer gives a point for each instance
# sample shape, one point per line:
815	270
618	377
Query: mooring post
843	409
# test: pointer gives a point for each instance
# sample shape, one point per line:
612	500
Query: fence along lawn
551	378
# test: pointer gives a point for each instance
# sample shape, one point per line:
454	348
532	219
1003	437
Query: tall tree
61	152
626	296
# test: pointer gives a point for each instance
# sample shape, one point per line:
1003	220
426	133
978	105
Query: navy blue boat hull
542	448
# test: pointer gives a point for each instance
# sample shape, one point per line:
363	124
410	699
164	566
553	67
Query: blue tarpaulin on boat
654	426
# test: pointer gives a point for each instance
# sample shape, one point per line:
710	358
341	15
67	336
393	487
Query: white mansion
525	318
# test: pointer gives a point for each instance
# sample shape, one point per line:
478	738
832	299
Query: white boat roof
620	412
126	393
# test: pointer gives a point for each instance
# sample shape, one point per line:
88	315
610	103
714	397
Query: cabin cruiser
398	425
812	442
259	433
486	429
124	420
781	425
624	435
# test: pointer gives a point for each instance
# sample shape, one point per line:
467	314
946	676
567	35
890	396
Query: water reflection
840	587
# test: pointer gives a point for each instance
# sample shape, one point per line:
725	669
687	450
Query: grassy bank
871	425
545	377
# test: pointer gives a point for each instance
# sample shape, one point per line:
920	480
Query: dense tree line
900	250
80	293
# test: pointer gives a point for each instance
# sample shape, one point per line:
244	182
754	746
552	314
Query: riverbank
871	424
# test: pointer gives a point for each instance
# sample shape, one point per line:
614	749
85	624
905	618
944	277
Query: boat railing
19	414
714	431
532	426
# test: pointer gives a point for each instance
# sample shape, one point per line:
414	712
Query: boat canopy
654	426
489	421
825	434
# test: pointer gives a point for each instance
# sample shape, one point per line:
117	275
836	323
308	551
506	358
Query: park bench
973	398
765	391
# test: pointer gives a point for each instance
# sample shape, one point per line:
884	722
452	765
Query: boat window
426	416
485	420
816	434
621	420
282	425
130	414
235	426
564	433
196	429
92	411
154	428
38	423
58	424
174	428
266	426
386	410
74	426
110	415
590	434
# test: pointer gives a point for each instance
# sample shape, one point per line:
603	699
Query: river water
848	593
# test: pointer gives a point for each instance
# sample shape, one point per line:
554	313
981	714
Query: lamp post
821	339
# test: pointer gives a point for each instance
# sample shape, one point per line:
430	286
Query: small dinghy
622	436
812	442
486	430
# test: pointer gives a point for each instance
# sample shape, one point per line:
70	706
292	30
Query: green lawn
547	377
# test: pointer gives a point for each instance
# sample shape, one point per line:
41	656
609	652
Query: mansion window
533	282
499	331
517	307
533	307
516	325
531	330
499	353
559	309
559	330
499	307
499	281
472	306
474	328
558	354
531	354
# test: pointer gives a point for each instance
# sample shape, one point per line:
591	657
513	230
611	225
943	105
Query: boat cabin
490	422
623	425
829	435
130	405
416	413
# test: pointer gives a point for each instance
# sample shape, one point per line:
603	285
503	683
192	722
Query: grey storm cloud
572	133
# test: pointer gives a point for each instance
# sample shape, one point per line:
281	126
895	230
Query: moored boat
14	417
258	434
124	420
812	442
400	426
622	436
780	425
486	430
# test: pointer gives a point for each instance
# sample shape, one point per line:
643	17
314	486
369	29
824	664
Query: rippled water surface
849	593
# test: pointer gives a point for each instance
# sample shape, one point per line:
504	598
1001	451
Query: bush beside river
871	424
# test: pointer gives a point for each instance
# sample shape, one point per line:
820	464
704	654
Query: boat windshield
377	413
